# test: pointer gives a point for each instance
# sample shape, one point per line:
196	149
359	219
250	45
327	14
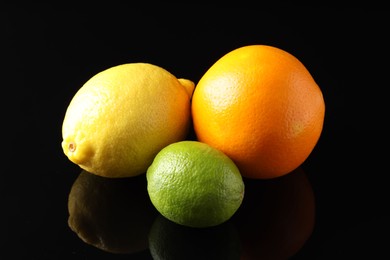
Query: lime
194	184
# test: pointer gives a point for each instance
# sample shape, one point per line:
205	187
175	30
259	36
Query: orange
260	106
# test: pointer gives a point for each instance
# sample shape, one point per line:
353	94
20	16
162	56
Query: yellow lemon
123	116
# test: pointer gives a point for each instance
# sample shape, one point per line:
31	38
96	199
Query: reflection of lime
113	215
277	216
195	185
170	241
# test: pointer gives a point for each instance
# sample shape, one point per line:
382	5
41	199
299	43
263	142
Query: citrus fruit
111	214
260	106
194	184
121	117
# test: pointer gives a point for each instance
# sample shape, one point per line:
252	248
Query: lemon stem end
188	85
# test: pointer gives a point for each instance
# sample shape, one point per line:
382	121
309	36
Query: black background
48	52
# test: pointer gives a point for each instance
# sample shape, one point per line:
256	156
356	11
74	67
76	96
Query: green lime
194	184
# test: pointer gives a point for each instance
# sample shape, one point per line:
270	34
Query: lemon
121	117
195	185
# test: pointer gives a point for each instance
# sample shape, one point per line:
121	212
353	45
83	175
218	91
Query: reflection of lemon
170	241
195	185
120	118
114	215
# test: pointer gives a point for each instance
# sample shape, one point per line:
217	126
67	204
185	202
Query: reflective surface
116	216
335	206
113	215
277	217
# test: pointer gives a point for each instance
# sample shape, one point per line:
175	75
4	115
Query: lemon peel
121	117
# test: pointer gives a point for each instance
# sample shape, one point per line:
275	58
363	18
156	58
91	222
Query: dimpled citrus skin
260	106
121	117
193	184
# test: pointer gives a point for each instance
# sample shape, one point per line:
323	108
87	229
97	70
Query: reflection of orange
260	106
276	217
114	215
